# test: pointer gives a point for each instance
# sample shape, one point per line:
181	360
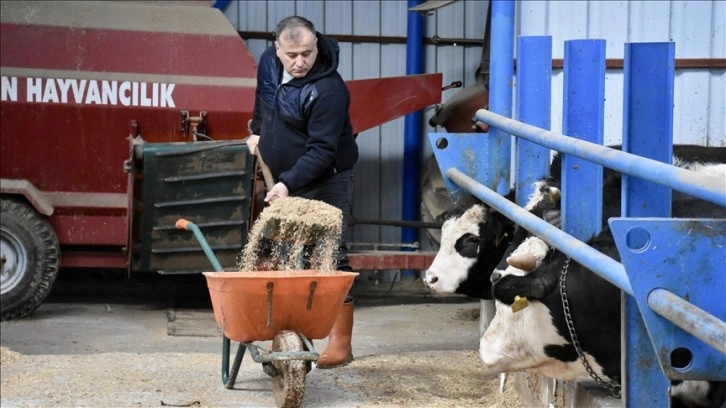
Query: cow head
471	246
523	259
526	252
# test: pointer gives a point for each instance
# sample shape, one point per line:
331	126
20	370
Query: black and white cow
537	338
474	239
473	244
698	394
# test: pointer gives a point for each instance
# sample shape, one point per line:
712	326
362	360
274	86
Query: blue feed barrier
659	319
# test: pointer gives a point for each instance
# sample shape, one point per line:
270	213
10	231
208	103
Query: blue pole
704	326
648	123
412	143
534	100
501	67
220	4
583	117
648	76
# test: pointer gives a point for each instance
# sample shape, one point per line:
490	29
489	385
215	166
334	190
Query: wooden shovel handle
269	181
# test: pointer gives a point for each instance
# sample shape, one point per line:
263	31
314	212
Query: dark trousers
338	192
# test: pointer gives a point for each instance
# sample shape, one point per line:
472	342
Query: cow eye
471	239
467	245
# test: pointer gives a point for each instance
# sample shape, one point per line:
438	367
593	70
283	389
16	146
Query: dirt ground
111	353
416	379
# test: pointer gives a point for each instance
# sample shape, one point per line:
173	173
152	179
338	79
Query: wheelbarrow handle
181	223
190	226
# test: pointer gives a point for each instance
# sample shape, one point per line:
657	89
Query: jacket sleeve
256	112
263	70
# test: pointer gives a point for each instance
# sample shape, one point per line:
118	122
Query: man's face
297	52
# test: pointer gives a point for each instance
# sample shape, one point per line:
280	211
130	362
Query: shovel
266	174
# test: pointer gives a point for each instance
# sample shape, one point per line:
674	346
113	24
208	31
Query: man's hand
277	191
252	142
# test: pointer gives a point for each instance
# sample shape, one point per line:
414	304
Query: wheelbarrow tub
255	306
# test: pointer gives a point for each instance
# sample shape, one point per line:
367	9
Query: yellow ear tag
519	304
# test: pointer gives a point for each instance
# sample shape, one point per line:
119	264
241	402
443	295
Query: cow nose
495	277
432	280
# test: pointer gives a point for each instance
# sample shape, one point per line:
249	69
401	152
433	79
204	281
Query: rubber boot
339	352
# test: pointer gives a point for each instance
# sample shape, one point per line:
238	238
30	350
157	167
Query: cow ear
525	262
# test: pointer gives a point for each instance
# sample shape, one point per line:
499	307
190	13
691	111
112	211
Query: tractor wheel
29	253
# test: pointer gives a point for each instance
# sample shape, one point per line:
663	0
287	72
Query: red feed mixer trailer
119	118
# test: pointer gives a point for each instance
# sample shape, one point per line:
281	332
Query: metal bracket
465	151
196	125
685	257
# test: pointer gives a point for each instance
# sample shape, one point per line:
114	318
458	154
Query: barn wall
697	27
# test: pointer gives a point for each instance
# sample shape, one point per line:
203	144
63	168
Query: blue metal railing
603	265
697	185
647	184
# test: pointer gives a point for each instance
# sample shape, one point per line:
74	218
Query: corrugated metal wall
697	27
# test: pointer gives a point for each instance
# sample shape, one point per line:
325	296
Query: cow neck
613	387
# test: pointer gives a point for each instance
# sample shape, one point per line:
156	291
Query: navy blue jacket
304	126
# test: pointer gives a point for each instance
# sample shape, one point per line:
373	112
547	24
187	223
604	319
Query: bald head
294	28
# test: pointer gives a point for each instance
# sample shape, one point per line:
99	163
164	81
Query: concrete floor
105	343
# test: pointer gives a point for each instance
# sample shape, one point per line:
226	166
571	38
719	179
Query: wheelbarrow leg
229	378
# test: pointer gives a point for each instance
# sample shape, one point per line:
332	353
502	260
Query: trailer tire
30	259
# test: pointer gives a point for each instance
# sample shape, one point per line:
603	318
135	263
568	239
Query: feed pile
293	233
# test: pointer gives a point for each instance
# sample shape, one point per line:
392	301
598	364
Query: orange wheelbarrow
288	307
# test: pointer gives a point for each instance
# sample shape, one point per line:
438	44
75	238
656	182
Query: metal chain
613	387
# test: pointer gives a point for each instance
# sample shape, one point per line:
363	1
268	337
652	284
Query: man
301	128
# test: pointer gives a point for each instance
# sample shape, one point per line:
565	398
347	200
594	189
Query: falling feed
293	233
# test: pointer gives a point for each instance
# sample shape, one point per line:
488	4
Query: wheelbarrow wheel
289	385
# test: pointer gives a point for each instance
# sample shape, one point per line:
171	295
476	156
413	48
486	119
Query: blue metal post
534	100
500	93
412	131
583	118
648	123
648	132
220	4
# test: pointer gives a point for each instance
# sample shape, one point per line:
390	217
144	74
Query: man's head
297	45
